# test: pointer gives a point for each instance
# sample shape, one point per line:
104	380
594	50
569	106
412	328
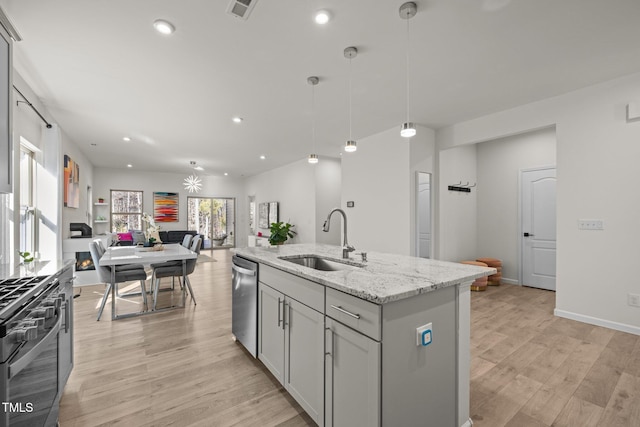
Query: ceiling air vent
241	8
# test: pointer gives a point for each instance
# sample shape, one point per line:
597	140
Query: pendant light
193	183
350	53
313	81
407	11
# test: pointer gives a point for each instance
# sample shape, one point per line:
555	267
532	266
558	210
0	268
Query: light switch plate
590	224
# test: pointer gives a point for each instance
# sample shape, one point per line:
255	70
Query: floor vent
241	8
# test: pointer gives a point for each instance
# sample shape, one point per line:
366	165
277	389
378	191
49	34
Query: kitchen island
378	342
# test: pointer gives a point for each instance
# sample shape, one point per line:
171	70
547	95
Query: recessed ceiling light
322	17
198	168
129	166
237	119
126	139
163	27
263	157
226	174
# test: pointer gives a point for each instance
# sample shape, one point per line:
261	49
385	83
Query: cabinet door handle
348	313
284	313
328	334
279	312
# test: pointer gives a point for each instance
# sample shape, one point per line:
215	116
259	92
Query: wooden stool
481	283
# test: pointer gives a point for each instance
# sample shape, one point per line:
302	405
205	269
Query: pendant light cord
407	70
313	118
350	81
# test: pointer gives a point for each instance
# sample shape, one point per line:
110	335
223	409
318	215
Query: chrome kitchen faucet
346	247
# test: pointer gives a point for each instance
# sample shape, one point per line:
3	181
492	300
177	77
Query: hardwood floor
529	368
182	368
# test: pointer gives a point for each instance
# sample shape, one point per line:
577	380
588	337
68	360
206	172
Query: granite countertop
382	279
35	268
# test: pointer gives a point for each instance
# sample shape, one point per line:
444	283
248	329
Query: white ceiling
103	72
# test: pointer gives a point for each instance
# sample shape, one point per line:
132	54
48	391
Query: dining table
126	255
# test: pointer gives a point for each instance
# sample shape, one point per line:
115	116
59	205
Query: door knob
528	235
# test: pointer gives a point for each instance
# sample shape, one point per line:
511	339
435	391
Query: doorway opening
215	219
423	215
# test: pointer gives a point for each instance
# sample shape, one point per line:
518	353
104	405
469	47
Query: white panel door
538	234
423	214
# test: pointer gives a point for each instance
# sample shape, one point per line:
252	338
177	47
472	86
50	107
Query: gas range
36	346
15	292
28	305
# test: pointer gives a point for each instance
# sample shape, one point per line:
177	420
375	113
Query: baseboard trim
623	327
510	281
468	423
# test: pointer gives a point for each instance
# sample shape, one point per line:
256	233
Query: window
126	210
27	199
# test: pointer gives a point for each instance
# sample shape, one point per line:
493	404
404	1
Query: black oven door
32	387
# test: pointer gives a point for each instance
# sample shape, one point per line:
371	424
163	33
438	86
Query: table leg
184	287
113	293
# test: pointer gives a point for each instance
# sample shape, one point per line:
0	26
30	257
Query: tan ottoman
481	283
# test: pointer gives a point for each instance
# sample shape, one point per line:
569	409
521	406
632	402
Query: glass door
214	218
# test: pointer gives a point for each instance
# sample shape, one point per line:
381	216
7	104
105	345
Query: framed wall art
273	212
263	215
71	183
165	207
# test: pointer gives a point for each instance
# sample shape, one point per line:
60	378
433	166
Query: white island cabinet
290	336
381	343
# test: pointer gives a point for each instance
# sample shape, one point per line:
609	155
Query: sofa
176	236
171	236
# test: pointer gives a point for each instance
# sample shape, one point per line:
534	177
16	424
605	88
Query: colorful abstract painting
71	183
165	207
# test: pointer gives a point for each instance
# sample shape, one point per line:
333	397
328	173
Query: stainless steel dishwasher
244	297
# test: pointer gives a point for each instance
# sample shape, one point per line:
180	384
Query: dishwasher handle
244	271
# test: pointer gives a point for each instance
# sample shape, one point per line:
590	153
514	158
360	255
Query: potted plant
26	257
280	232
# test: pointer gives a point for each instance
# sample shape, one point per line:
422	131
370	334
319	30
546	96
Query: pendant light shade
350	52
350	146
407	11
407	130
313	81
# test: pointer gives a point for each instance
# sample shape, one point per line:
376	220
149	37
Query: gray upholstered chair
102	250
121	276
174	269
186	241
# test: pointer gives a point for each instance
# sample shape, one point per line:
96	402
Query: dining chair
102	250
121	276
174	269
186	241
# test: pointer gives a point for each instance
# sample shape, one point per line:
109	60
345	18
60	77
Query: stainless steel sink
319	263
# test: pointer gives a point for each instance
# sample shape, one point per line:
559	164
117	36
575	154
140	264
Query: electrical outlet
633	300
424	335
590	224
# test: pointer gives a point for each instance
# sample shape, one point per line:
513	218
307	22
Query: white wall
499	165
53	144
421	159
107	179
380	179
293	187
597	155
456	237
328	189
86	179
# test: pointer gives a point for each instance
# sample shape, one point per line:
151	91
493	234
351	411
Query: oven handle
17	366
